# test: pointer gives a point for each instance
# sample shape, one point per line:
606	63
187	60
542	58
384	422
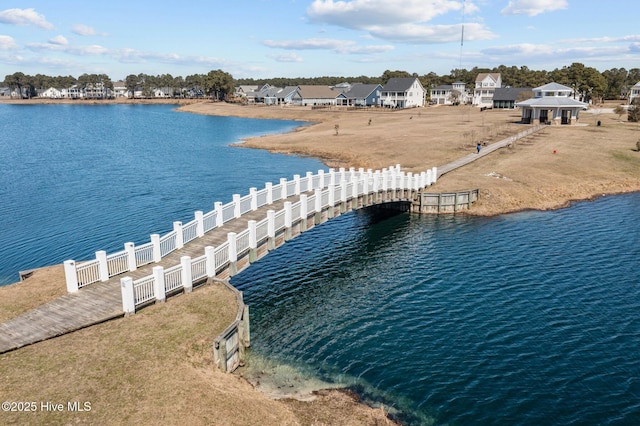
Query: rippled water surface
529	318
75	179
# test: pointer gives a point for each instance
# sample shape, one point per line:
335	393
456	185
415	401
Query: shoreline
528	176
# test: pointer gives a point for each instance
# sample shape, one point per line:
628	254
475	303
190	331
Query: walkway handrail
342	182
136	293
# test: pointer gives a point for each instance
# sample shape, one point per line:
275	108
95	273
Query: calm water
75	179
529	319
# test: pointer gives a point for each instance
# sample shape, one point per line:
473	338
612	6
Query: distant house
120	90
552	103
403	93
51	93
242	90
73	92
284	96
486	84
361	95
5	91
634	93
314	96
449	94
506	97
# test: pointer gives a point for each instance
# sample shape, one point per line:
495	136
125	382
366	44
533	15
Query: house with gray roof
506	97
486	84
405	92
551	104
314	95
361	95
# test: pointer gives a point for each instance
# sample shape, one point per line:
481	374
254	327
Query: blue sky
310	38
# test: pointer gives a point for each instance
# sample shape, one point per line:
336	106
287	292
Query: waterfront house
486	84
51	93
361	95
404	92
314	96
634	93
284	96
449	94
506	97
120	89
551	104
5	91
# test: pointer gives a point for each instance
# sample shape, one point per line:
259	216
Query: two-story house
551	104
634	93
450	94
486	84
403	93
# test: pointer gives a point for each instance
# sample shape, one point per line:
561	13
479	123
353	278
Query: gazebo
551	104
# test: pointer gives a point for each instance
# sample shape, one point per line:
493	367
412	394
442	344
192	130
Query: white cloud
428	34
533	7
288	57
24	17
59	39
7	43
360	14
338	46
83	30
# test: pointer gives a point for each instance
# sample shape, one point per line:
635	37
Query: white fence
328	188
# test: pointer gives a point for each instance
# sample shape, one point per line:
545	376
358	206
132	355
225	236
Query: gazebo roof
552	102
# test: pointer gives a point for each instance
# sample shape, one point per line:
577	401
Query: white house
552	104
120	90
314	96
403	93
634	93
486	84
449	94
51	93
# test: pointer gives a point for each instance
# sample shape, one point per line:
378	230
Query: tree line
588	82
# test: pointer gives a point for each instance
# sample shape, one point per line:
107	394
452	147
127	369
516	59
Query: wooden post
219	218
199	216
157	254
233	253
71	276
103	267
128	297
210	264
187	276
158	283
131	256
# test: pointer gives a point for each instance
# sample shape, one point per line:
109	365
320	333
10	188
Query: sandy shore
545	171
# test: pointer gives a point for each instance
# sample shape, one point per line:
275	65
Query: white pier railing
329	188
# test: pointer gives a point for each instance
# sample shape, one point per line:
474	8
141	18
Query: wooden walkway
102	301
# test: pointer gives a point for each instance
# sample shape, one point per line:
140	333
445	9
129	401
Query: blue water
75	179
522	319
530	318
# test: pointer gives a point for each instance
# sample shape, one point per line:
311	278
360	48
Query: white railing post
296	179
429	178
343	190
434	174
287	214
187	276
269	187
236	206
271	229
157	254
199	217
253	240
304	211
318	200
283	188
320	179
210	263
332	177
71	276
253	192
217	206
384	179
130	248
158	283
233	253
128	297
309	177
177	228
103	267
